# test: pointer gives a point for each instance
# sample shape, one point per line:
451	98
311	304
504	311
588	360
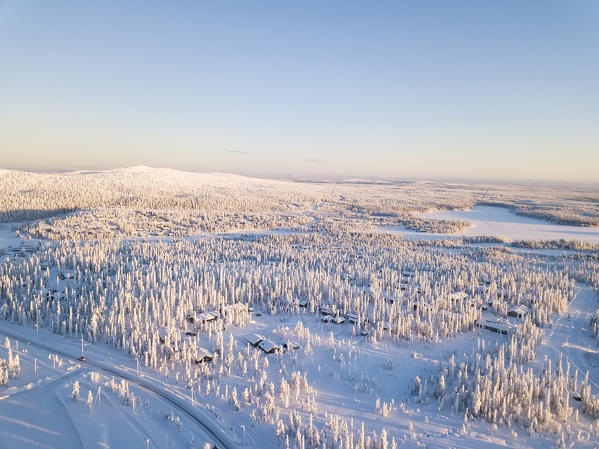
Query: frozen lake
500	221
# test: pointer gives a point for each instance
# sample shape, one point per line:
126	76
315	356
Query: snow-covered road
148	384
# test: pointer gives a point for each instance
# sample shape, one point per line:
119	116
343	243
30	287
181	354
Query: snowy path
223	441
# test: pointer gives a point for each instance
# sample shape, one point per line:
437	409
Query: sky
390	89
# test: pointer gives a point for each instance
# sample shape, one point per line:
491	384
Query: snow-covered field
39	409
168	279
7	236
499	221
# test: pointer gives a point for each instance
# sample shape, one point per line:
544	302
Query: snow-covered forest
144	201
281	306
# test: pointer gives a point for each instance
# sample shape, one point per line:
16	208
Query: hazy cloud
313	160
247	153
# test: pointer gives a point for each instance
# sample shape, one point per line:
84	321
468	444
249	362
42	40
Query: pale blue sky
479	89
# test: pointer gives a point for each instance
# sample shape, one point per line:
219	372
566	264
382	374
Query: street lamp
82	358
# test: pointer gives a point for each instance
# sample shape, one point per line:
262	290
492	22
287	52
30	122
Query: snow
289	251
43	414
361	363
8	237
500	221
571	336
38	410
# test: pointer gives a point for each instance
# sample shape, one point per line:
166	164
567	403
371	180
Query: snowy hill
191	203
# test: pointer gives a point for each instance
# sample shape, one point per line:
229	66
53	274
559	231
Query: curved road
221	441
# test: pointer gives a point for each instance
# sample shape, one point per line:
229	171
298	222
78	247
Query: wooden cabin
254	339
519	311
202	355
269	346
493	326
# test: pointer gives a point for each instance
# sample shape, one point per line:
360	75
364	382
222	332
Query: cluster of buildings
269	346
503	326
23	249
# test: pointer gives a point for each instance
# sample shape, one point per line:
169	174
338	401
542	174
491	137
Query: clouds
240	152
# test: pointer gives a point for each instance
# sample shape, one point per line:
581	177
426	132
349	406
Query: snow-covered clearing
491	221
571	336
500	221
7	236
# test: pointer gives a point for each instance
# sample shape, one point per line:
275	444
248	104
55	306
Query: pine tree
75	392
90	400
384	442
280	430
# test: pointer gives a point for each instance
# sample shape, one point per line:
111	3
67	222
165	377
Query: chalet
493	326
292	302
519	311
202	355
503	293
67	274
206	317
303	303
290	346
237	307
353	318
268	346
326	310
424	306
254	339
408	274
338	319
52	294
457	297
24	248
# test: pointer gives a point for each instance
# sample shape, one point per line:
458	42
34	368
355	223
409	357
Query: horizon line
318	178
